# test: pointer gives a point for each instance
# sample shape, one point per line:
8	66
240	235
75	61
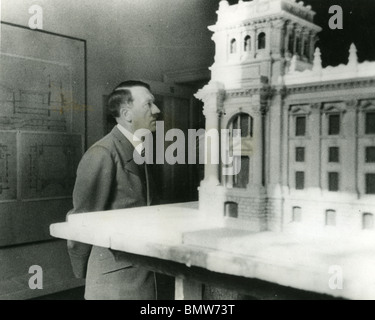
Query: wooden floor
165	292
72	294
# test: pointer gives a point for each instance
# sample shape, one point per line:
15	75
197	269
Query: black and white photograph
197	150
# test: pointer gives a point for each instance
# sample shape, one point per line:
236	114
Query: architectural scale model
300	212
307	132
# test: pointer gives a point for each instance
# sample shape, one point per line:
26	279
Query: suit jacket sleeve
92	190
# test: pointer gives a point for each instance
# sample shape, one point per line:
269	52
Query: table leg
187	289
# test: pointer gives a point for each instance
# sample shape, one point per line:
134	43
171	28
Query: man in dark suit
108	178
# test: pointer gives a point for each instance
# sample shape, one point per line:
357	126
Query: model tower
255	42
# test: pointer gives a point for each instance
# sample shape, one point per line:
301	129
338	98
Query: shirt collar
137	144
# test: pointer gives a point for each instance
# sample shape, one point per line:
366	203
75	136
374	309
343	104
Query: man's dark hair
132	83
122	95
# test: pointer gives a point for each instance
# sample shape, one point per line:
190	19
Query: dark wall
359	28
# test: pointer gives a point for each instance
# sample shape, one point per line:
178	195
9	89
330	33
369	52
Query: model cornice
331	85
244	23
302	23
284	17
259	7
258	11
243	92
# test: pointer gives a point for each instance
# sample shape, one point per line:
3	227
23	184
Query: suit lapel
126	152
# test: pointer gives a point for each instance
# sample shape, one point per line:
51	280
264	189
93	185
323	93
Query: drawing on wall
49	163
8	166
43	126
39	100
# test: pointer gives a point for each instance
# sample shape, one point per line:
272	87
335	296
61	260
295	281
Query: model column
254	42
313	150
212	96
259	174
349	154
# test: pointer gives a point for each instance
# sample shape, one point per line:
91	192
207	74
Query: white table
178	240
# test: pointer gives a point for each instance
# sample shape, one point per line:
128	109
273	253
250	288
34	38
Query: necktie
143	153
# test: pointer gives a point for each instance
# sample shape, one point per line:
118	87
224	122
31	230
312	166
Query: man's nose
155	109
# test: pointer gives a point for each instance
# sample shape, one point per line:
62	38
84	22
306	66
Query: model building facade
307	132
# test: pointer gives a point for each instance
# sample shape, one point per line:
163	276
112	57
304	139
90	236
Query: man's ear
126	114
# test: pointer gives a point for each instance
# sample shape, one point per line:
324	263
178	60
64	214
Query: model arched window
231	209
262	41
330	218
368	221
247	44
243	122
306	49
233	46
237	149
298	45
291	43
297	214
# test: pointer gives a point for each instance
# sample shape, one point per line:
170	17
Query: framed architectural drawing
8	166
42	129
48	164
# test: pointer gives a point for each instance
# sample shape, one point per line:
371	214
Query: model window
306	48
370	123
241	180
333	181
370	154
370	183
231	209
243	122
300	180
300	126
298	45
334	154
333	124
300	154
233	46
247	44
297	214
262	41
368	221
330	218
291	43
241	163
